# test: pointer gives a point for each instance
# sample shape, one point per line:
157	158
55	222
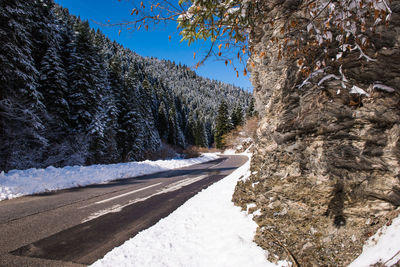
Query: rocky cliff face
326	171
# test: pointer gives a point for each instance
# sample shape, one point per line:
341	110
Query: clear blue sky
154	42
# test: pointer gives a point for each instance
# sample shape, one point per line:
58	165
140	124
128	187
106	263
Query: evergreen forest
71	96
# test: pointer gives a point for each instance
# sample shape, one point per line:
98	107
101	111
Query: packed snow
17	183
383	247
208	230
229	152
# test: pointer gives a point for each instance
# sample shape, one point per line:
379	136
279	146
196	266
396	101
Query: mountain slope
72	96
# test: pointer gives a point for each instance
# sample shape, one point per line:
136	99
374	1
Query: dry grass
233	138
195	151
168	152
250	127
208	150
191	152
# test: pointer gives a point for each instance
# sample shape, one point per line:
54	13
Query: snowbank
17	183
383	247
230	152
208	230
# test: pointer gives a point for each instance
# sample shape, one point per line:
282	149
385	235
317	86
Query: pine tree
21	107
250	109
42	28
200	134
190	130
162	121
237	116
53	85
222	125
172	127
82	96
122	105
102	129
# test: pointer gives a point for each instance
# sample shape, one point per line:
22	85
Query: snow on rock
383	87
358	90
251	205
208	230
17	183
383	247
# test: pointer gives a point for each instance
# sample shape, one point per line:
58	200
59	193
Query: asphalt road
77	226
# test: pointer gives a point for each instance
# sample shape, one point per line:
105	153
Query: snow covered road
81	225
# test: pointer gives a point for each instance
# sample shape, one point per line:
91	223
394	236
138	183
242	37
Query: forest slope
69	95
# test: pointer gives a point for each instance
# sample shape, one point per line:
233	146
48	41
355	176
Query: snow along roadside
383	247
18	183
208	230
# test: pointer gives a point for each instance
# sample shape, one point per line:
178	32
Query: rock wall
326	168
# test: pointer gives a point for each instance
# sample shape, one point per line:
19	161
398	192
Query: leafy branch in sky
327	25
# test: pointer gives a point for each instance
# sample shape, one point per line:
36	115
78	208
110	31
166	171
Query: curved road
77	226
